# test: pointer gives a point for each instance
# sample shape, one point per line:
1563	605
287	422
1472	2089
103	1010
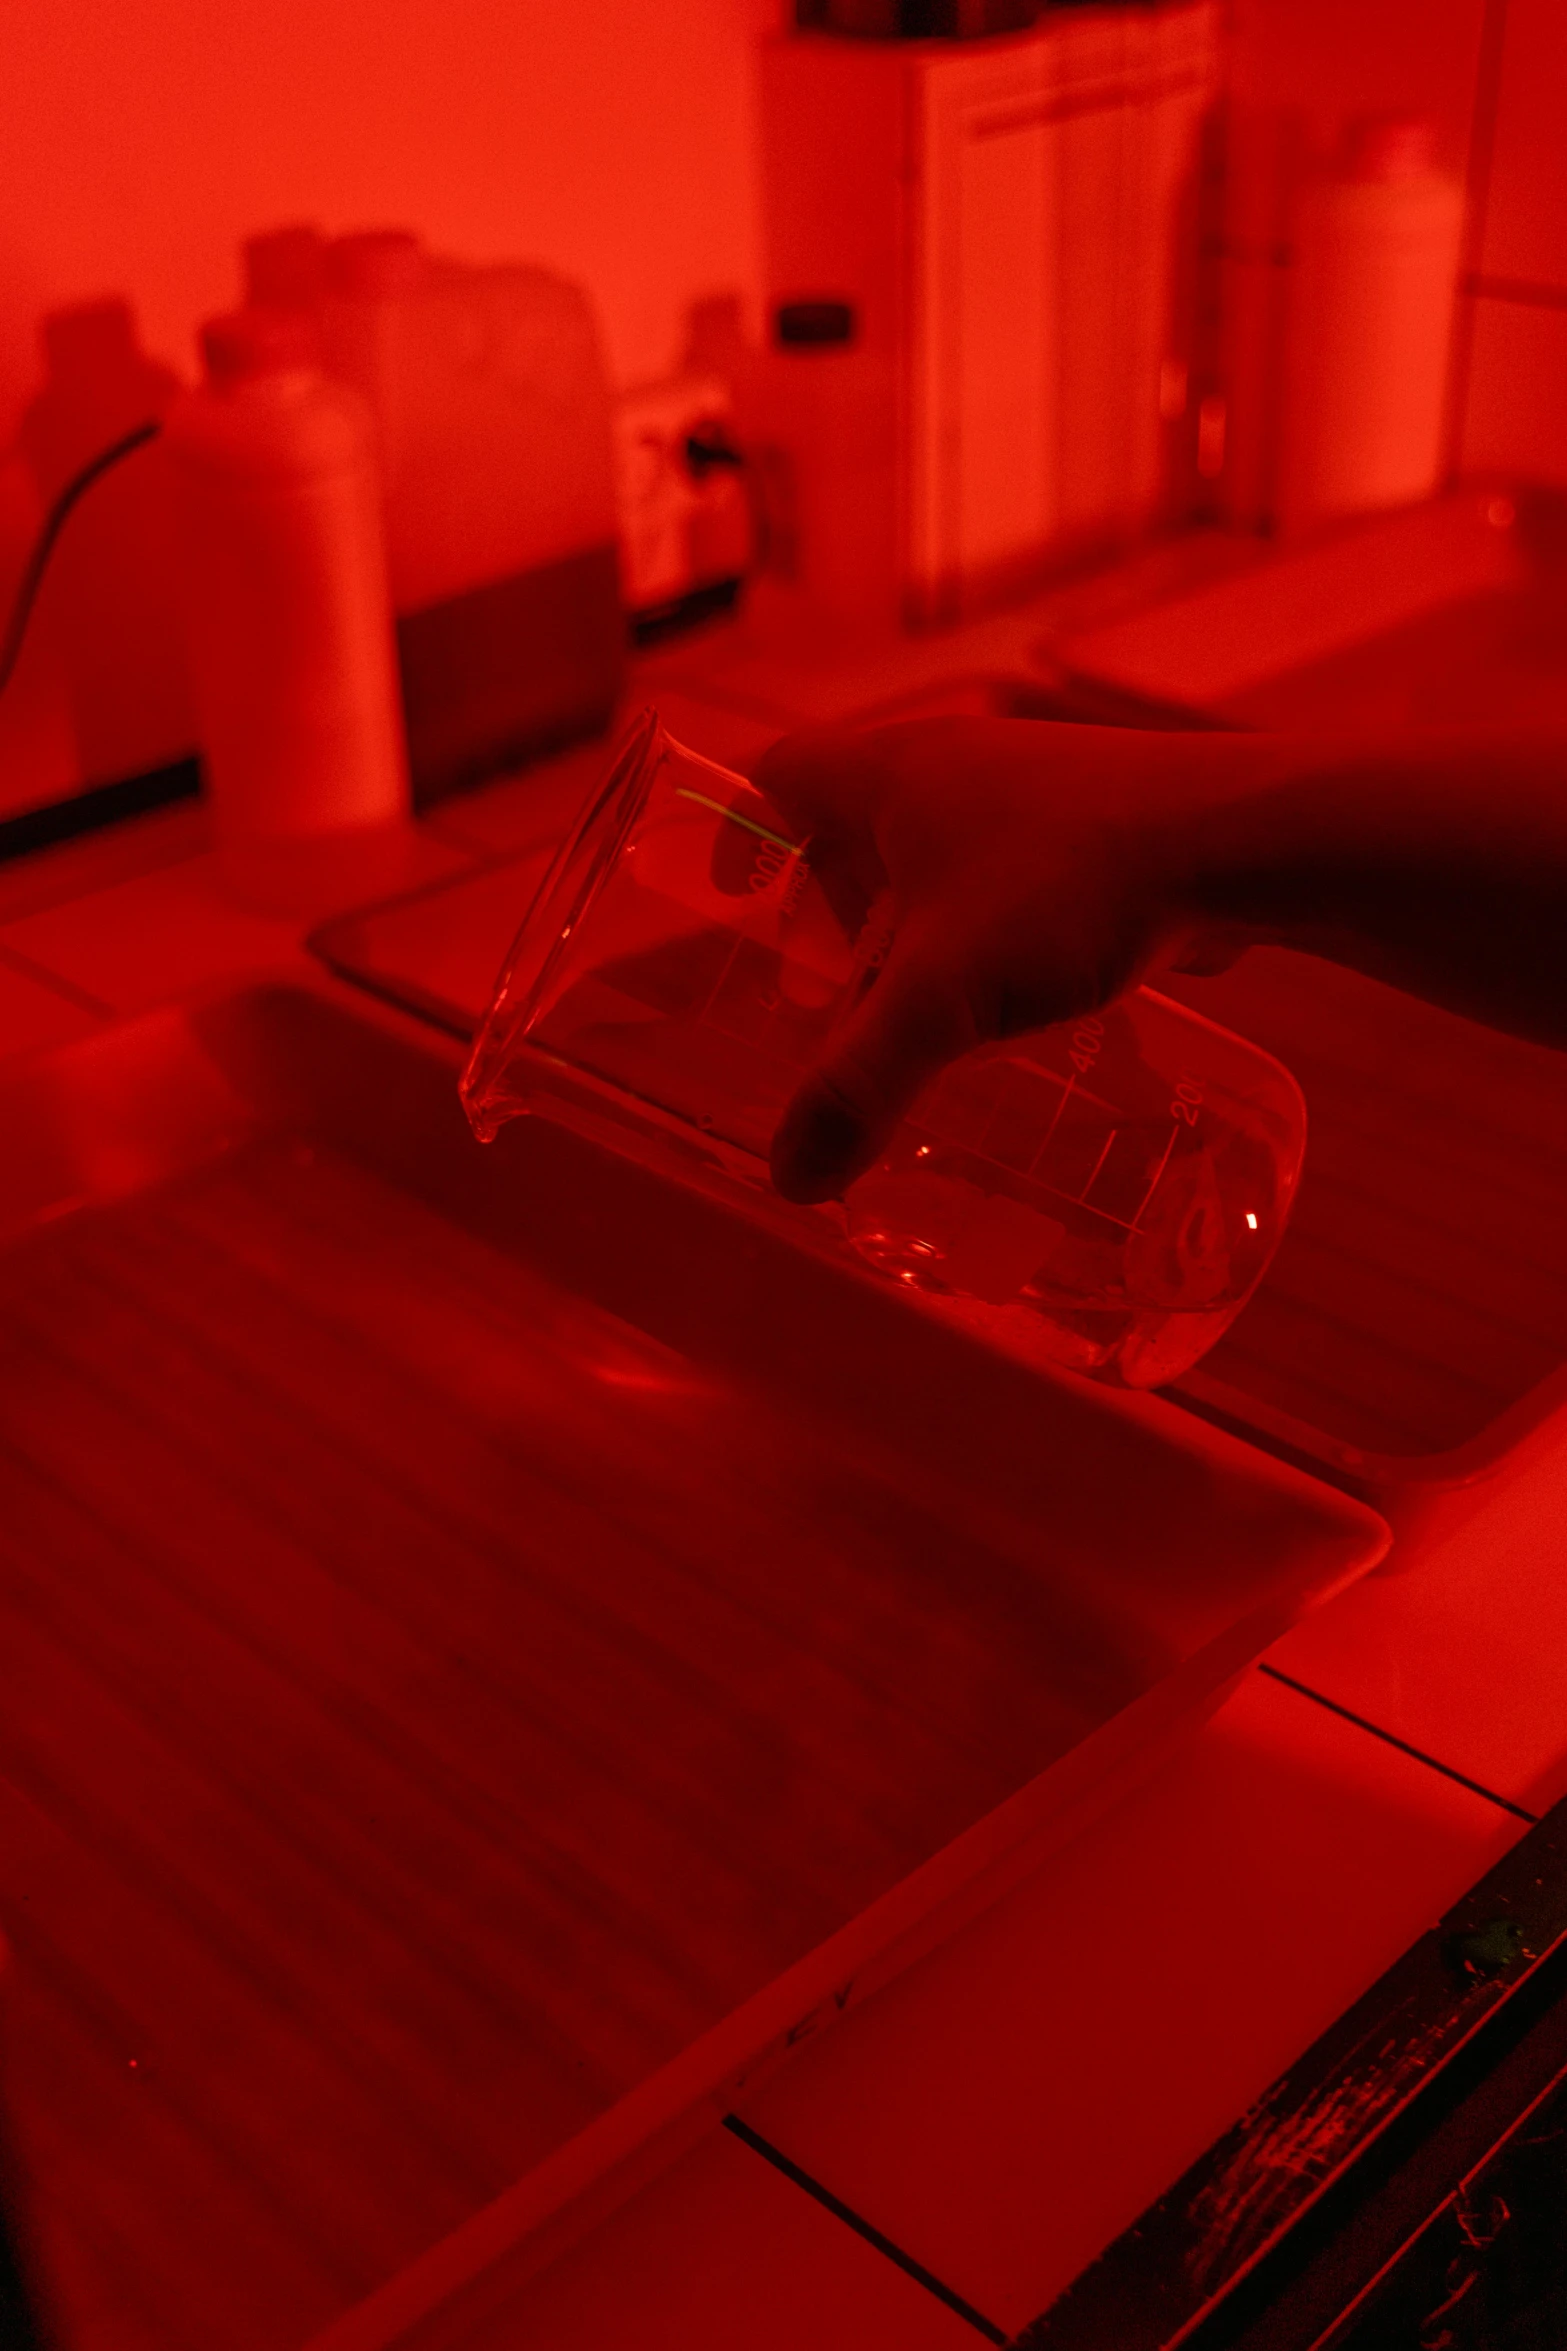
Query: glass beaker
1125	1178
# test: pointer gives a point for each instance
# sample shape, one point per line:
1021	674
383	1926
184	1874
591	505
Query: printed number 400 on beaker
1124	1178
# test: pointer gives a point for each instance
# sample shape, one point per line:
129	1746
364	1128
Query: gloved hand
1036	871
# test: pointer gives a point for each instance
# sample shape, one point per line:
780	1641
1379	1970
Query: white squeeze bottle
288	611
1370	328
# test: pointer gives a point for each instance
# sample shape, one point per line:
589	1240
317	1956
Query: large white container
288	615
1370	327
492	408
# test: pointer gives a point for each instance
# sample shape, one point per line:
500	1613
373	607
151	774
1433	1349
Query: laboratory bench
1280	2024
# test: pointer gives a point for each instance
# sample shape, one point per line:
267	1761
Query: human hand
1036	872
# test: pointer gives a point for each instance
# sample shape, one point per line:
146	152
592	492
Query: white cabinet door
1051	184
982	459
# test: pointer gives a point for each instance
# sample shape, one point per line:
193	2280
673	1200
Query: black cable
54	523
705	450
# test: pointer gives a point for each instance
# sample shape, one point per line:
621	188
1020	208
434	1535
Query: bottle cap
1386	147
286	268
375	261
246	343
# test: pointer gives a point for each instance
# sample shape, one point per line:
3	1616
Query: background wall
616	140
1333	58
612	139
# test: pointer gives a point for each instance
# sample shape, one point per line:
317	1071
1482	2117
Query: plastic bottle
285	269
112	600
288	615
1369	329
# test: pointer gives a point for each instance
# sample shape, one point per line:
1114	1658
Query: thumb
1206	956
913	1021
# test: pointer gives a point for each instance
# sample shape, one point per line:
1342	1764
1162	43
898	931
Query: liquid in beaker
1125	1178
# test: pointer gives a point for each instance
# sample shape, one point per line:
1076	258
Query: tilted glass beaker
1125	1177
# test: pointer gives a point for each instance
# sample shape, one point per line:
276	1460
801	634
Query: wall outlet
685	524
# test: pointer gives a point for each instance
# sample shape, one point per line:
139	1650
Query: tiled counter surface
984	2126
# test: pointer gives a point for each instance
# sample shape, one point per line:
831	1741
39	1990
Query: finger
820	784
911	1024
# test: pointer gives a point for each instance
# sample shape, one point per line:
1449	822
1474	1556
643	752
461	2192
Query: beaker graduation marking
1164	1162
1098	1164
1068	1087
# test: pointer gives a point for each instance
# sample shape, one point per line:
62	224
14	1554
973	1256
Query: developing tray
1409	1341
503	1641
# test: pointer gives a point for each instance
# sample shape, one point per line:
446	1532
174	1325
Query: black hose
54	523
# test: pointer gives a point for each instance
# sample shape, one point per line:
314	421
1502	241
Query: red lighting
476	1622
